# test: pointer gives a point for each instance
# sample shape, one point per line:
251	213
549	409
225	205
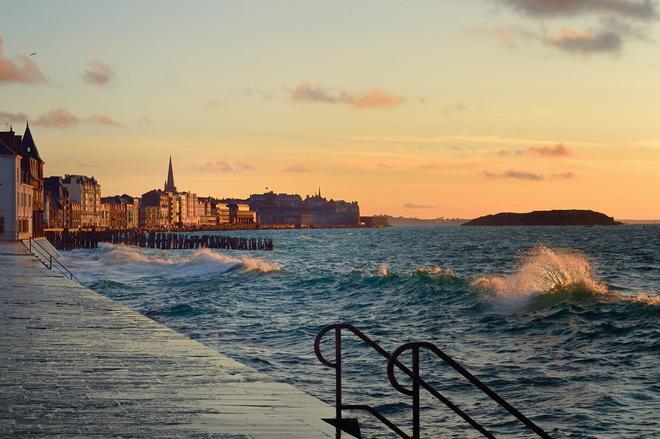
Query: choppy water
563	322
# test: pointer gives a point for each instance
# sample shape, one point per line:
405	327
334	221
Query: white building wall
15	200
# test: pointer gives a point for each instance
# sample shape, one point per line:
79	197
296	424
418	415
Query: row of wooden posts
69	240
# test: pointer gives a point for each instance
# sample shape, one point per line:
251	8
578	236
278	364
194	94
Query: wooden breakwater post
84	239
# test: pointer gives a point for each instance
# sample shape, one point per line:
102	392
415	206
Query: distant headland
546	218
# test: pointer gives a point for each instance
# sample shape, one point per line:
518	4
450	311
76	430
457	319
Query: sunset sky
415	108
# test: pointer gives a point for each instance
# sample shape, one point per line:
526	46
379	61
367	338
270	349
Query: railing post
50	262
338	381
415	391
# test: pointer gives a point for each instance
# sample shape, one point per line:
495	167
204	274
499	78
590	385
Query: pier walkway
74	363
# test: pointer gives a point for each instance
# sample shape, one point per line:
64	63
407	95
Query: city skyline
424	110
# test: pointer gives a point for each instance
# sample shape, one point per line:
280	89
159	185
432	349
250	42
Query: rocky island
545	218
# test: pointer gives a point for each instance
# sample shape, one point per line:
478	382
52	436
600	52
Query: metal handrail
43	252
417	381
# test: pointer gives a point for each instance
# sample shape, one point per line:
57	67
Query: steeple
169	185
28	144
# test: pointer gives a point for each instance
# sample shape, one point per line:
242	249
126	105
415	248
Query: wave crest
542	270
195	262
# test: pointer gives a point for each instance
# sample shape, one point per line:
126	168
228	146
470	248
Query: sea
562	322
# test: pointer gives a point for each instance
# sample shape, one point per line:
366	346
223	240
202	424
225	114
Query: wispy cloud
98	73
20	69
375	98
61	118
297	169
57	118
432	167
526	175
9	117
617	22
586	42
558	150
563	176
520	175
213	103
416	206
635	9
103	120
221	166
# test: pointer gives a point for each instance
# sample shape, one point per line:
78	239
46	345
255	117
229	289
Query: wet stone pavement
74	363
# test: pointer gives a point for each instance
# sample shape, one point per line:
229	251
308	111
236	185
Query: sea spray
383	270
540	271
149	262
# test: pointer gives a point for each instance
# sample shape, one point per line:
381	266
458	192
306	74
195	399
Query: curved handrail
338	326
415	348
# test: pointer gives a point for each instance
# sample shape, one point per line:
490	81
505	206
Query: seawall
74	363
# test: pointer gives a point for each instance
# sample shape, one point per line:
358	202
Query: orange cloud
98	73
61	118
577	41
57	118
21	70
375	98
103	120
526	175
558	150
223	166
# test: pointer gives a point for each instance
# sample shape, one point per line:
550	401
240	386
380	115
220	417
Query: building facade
16	190
86	192
57	205
313	211
122	211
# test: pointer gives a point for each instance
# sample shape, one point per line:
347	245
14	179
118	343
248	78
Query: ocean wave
195	262
546	276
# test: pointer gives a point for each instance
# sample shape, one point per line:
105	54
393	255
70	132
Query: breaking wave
195	262
544	273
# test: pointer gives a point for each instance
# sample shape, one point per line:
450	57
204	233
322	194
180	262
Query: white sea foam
195	262
436	271
383	270
544	271
540	271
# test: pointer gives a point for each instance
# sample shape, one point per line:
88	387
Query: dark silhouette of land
546	218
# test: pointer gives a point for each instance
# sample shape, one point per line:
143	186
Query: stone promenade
74	363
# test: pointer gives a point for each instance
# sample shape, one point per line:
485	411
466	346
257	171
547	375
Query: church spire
169	185
28	143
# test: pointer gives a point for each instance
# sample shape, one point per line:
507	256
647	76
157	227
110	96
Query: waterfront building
16	190
276	209
57	205
85	191
169	208
75	216
207	211
156	209
313	211
123	211
33	166
235	213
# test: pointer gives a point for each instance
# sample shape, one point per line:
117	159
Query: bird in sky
33	53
